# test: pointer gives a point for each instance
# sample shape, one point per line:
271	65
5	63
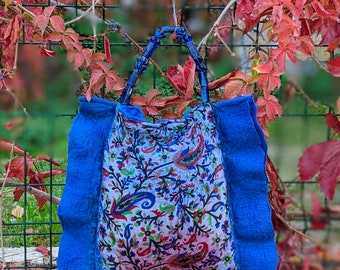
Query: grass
35	227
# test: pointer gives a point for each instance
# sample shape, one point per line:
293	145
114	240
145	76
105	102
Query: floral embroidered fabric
164	195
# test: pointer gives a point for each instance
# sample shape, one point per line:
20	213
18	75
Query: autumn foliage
295	29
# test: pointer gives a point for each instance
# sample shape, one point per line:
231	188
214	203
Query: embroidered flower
199	215
147	233
102	231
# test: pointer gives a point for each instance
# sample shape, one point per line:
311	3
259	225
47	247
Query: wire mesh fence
30	237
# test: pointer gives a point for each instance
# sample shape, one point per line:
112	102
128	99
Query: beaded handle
154	42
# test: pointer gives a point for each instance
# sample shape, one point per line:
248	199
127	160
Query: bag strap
154	42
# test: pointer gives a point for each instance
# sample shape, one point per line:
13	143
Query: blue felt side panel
78	209
244	153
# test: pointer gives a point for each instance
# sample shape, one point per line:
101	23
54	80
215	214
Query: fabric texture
164	195
243	151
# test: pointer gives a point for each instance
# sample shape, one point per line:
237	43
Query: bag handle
154	42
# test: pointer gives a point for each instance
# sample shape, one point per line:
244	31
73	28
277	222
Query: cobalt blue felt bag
189	193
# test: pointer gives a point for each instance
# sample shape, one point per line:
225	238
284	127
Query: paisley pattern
164	197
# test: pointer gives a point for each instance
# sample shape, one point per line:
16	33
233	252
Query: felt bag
189	193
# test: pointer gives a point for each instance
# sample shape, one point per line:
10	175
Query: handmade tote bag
189	193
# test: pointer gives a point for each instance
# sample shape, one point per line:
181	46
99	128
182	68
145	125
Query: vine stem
309	100
301	234
215	24
32	190
232	54
17	101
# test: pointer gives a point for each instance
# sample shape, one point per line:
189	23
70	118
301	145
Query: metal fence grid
20	238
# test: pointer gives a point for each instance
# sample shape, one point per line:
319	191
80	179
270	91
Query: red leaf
244	10
107	50
47	159
78	60
7	146
338	104
189	76
272	174
17	193
58	23
269	77
55	36
334	67
306	45
46	52
44	250
152	94
221	81
333	122
316	210
270	105
322	159
38	182
237	85
182	106
97	81
138	101
17	167
113	82
13	123
285	49
322	12
12	32
53	172
42	20
182	78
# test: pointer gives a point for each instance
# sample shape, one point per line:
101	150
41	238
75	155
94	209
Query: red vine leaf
268	77
38	182
221	81
285	49
333	122
7	146
58	23
306	45
150	104
12	32
316	210
334	67
322	159
237	85
17	167
14	123
322	12
42	20
47	52
272	174
107	50
270	105
182	78
244	10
